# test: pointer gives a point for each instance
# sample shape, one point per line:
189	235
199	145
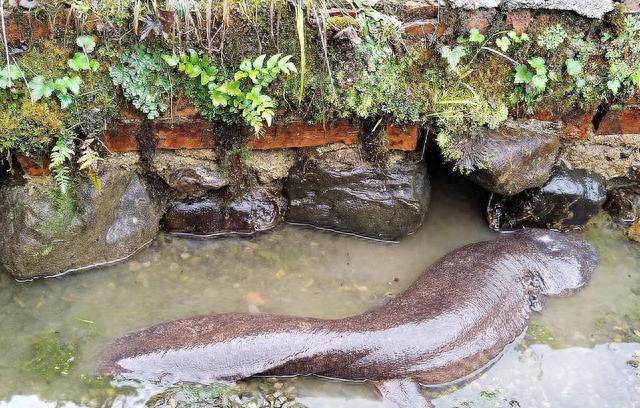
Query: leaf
259	62
74	83
79	62
574	67
475	36
503	43
87	43
218	98
453	56
245	65
65	100
273	61
614	86
539	82
536	62
94	65
39	88
635	78
523	75
9	74
240	75
231	88
194	72
204	78
171	60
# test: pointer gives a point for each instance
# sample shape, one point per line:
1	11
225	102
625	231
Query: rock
567	201
336	190
255	211
623	202
517	156
587	8
610	155
39	238
189	176
271	165
634	231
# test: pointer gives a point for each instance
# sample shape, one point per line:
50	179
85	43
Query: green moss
51	357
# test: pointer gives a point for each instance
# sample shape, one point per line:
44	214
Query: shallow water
575	353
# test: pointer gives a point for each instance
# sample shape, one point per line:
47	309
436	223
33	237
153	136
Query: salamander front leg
402	394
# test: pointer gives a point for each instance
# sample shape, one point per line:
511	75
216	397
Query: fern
61	156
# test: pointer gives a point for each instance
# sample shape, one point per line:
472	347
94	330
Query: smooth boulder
254	211
337	191
517	156
566	201
40	236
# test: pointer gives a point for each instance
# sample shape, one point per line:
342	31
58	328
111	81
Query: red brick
424	27
576	123
26	29
620	122
179	134
479	21
403	137
519	20
421	9
300	134
32	167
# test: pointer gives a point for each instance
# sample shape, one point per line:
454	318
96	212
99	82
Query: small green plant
9	75
531	81
64	87
242	94
552	37
453	55
575	70
510	38
144	80
61	159
51	357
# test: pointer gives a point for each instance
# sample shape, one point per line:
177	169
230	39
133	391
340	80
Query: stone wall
190	181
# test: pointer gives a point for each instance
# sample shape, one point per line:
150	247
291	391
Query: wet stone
519	155
338	192
567	201
41	236
255	211
189	176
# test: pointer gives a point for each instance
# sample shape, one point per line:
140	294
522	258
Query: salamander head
562	263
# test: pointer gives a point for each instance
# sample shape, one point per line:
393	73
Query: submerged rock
338	191
567	201
41	236
519	155
254	211
266	395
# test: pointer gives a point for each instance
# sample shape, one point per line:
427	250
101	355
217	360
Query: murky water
575	355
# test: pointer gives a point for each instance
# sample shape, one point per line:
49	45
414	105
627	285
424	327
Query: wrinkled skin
453	321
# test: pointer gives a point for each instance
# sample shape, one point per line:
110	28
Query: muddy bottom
578	353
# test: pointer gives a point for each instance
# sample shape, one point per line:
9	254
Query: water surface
575	354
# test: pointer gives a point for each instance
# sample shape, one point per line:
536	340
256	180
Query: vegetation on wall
245	62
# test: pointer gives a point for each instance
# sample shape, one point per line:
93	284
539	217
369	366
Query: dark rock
342	194
517	156
255	211
623	201
567	201
40	236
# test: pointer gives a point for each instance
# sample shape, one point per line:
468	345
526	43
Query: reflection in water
312	273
